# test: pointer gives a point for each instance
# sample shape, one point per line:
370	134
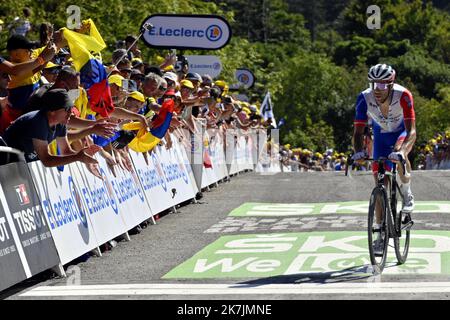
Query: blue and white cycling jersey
390	130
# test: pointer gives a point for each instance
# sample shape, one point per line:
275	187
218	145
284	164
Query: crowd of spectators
47	105
303	160
436	153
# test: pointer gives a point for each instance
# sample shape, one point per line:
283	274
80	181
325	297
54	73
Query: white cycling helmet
381	72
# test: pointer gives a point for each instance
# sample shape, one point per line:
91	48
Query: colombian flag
146	141
93	74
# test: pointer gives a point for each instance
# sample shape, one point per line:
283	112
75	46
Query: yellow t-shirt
28	78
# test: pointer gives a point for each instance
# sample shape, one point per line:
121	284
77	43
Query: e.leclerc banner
205	65
245	78
207	32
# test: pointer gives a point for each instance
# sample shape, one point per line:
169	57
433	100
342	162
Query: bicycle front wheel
378	230
401	240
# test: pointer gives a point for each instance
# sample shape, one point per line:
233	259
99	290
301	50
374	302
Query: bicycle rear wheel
377	258
401	241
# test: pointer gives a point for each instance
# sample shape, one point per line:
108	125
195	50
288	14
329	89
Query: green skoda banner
268	255
349	207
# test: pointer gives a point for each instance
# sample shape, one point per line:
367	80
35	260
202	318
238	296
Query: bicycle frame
390	193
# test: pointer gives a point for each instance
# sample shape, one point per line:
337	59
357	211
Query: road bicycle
395	224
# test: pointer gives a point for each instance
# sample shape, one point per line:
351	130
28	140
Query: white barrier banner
241	153
102	204
196	154
248	152
177	176
153	180
218	155
183	152
128	193
64	198
209	171
205	179
231	153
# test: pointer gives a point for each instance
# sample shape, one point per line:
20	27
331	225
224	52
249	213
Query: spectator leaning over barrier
135	101
69	80
119	95
197	92
153	87
34	131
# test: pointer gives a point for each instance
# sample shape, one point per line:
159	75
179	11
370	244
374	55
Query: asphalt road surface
284	236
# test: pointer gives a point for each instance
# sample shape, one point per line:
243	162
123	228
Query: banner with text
26	244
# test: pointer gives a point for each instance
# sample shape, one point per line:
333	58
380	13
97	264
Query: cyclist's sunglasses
381	85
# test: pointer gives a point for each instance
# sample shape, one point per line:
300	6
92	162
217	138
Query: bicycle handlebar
382	160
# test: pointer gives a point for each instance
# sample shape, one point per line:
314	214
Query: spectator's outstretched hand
93	149
127	160
49	52
146	123
85	27
123	160
111	163
94	169
58	38
84	157
169	142
104	128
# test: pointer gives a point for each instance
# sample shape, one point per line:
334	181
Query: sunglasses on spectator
380	85
162	88
170	83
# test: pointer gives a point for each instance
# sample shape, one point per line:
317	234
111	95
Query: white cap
171	76
252	107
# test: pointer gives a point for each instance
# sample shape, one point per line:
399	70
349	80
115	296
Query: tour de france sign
208	32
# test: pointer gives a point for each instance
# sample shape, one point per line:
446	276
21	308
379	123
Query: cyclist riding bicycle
391	108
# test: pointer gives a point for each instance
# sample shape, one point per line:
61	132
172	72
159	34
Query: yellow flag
83	45
144	140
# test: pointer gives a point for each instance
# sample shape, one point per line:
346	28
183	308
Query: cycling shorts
384	144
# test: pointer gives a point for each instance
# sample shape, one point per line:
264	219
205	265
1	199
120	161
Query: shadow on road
354	274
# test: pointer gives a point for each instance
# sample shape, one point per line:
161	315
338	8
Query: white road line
236	289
